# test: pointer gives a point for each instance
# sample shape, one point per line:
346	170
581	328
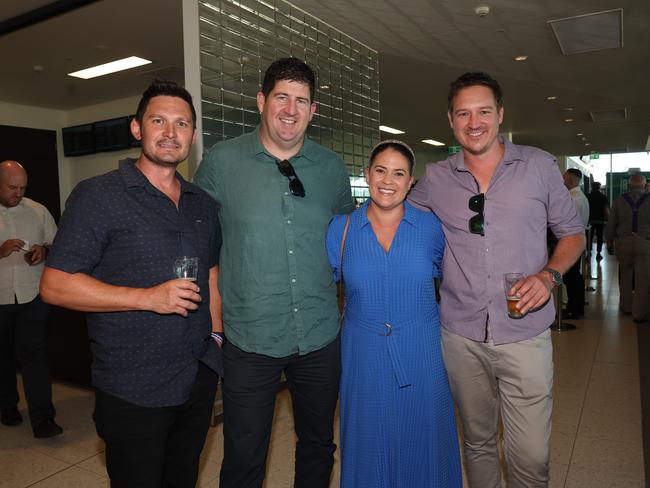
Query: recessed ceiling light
521	57
433	142
568	120
587	144
390	130
566	109
324	87
580	134
552	97
584	138
108	68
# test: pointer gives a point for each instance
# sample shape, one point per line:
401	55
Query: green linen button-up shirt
275	280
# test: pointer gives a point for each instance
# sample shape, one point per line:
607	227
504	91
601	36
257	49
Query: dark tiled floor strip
643	339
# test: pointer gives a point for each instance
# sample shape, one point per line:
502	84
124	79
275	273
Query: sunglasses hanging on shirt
295	185
477	223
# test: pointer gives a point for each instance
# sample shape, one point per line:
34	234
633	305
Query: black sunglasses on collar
295	185
476	204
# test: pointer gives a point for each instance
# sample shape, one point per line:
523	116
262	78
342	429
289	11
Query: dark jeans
575	289
23	330
596	229
156	447
249	389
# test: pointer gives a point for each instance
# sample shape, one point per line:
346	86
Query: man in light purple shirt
496	201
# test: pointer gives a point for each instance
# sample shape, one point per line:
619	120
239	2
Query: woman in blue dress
398	427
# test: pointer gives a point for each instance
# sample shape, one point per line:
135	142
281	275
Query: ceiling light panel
108	68
433	142
390	130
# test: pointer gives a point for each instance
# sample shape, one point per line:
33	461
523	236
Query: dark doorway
35	149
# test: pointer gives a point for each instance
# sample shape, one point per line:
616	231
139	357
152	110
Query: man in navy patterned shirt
154	359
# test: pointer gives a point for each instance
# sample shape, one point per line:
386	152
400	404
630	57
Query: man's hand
534	290
174	296
36	255
9	246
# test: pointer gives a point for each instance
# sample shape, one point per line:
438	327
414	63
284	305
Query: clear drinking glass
186	267
509	279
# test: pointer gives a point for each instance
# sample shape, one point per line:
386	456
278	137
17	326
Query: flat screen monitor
78	140
112	134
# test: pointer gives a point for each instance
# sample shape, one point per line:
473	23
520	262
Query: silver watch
556	276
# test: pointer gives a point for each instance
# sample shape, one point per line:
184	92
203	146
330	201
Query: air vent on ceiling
614	115
589	32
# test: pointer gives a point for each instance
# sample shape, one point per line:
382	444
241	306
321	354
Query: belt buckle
389	331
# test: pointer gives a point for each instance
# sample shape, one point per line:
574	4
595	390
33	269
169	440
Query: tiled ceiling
423	45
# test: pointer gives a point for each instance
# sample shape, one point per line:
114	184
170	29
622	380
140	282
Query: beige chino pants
513	380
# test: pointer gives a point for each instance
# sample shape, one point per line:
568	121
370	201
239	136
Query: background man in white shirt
26	230
575	282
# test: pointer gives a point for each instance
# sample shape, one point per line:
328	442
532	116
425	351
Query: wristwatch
556	276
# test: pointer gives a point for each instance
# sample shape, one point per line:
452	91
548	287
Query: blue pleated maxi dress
397	416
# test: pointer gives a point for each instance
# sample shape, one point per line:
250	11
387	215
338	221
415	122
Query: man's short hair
576	173
290	69
596	186
474	79
163	88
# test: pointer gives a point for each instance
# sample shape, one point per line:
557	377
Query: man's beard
162	163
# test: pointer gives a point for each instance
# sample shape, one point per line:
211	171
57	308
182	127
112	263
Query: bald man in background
628	232
26	231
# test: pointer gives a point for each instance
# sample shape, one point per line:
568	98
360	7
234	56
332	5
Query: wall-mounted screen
78	140
112	134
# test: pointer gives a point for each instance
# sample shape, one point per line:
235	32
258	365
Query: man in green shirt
277	192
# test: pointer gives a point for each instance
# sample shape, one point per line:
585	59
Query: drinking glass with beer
509	279
186	267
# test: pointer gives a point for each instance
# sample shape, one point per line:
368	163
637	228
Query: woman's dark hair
398	146
474	79
164	88
291	69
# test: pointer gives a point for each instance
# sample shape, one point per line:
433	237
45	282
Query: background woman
397	416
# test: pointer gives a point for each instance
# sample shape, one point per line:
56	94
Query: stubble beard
162	163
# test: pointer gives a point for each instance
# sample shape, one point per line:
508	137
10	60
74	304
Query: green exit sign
454	149
594	156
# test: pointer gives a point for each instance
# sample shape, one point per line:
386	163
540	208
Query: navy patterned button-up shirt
121	230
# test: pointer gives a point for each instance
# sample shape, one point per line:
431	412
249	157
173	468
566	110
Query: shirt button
286	192
288	221
295	310
293	280
290	251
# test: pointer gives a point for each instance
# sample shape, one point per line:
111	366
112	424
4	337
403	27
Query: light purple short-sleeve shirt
525	197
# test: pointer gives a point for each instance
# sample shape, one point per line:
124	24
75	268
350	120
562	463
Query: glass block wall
240	39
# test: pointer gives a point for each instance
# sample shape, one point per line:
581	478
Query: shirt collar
20	205
308	149
133	177
511	154
410	214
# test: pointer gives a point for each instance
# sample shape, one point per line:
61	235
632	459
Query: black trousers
23	334
250	386
156	447
575	289
596	229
